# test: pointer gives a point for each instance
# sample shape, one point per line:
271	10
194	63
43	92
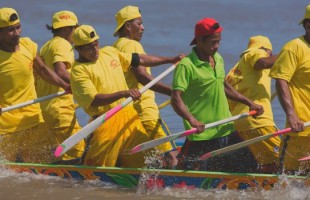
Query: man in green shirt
199	96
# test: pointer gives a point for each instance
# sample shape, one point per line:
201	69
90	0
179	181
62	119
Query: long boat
129	177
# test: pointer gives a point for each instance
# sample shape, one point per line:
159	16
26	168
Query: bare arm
285	99
148	60
180	108
61	71
105	99
234	95
265	63
48	75
144	78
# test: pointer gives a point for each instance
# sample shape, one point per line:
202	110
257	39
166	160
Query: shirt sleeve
63	52
254	56
84	91
180	78
285	65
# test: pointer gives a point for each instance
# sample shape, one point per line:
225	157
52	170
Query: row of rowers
196	90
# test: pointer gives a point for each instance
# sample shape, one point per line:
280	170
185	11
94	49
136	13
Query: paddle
159	141
89	128
164	104
273	95
246	143
2	110
304	158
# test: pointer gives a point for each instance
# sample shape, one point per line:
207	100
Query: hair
123	27
50	28
304	22
204	38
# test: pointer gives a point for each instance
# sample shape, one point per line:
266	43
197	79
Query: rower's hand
197	124
259	109
178	58
68	89
134	94
295	123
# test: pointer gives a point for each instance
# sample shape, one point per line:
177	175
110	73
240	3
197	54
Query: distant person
250	77
291	72
199	96
130	30
23	134
98	84
59	113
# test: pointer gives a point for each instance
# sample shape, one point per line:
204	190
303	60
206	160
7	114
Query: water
169	28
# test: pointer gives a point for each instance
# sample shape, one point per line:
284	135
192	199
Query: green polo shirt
203	94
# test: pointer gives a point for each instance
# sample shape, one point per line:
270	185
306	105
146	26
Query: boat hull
127	177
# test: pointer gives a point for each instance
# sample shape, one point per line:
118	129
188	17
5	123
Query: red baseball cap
205	27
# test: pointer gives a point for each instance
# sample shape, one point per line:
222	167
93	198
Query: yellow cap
307	14
64	18
84	34
8	17
257	42
125	14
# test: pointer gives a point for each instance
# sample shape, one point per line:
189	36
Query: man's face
306	24
10	35
89	52
136	29
209	44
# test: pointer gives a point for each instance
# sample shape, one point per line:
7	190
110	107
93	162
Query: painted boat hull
127	177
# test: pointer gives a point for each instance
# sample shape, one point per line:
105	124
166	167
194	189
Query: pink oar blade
304	158
159	141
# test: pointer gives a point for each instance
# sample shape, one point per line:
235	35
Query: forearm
180	108
52	78
285	97
106	99
148	60
265	63
234	95
61	70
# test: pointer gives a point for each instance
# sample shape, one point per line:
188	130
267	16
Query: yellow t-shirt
104	76
146	106
255	85
17	86
293	65
57	112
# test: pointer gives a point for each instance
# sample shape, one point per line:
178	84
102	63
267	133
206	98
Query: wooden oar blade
234	147
159	141
89	128
77	137
27	103
246	143
304	158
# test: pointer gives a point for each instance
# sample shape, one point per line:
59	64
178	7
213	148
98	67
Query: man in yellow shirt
23	135
59	113
250	76
292	71
98	84
130	30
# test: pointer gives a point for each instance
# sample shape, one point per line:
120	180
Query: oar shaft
89	128
246	143
164	104
159	141
33	101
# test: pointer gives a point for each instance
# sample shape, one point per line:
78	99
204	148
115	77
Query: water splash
148	181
